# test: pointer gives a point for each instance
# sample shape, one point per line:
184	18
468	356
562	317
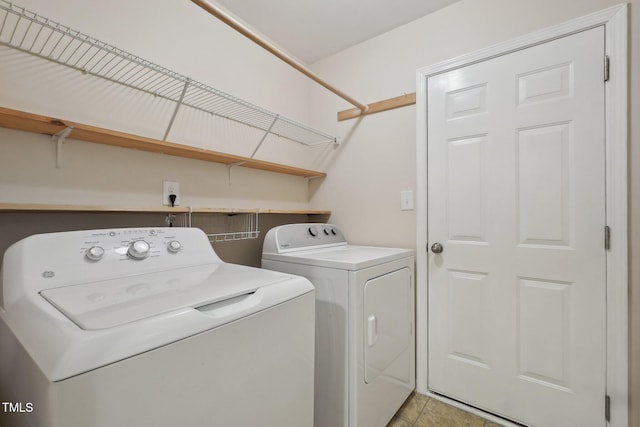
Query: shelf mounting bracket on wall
59	139
231	166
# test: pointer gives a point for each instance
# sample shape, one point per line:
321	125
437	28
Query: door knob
436	248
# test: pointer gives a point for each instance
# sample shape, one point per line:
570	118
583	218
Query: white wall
184	38
366	174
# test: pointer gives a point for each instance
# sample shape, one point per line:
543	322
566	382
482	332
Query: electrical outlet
168	188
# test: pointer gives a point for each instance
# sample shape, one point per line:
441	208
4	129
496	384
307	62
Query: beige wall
376	161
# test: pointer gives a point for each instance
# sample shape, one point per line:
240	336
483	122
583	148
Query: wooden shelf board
261	211
29	122
378	107
36	207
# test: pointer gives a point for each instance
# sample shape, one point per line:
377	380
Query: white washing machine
365	345
148	327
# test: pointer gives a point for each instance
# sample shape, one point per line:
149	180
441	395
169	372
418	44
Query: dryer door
387	324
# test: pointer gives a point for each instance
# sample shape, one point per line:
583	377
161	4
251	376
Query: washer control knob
326	231
94	253
139	249
174	246
313	231
334	231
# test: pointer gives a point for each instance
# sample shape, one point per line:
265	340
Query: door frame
614	19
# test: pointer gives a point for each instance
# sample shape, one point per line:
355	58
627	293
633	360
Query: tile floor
422	411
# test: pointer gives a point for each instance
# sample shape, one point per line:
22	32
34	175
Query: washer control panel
133	244
56	259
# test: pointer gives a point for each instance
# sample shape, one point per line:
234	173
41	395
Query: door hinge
607	408
606	68
607	237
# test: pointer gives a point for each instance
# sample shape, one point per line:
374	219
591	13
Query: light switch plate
406	200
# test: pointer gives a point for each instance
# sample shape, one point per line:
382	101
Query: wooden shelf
261	211
20	120
35	207
378	107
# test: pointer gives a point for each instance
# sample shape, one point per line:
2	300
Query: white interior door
516	197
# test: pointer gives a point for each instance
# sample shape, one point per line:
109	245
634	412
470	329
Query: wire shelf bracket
31	33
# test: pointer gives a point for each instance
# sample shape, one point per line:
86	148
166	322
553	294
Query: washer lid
349	257
109	303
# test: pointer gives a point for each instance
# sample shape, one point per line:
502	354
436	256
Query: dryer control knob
174	246
94	253
313	231
139	249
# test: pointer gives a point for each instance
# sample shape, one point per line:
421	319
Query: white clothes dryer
148	327
365	344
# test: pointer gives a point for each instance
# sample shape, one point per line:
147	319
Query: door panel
516	196
543	181
387	322
544	332
466	319
464	193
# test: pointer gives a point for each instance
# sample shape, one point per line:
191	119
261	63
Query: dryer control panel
291	237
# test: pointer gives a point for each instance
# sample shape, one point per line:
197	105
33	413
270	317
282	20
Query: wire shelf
31	33
220	227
